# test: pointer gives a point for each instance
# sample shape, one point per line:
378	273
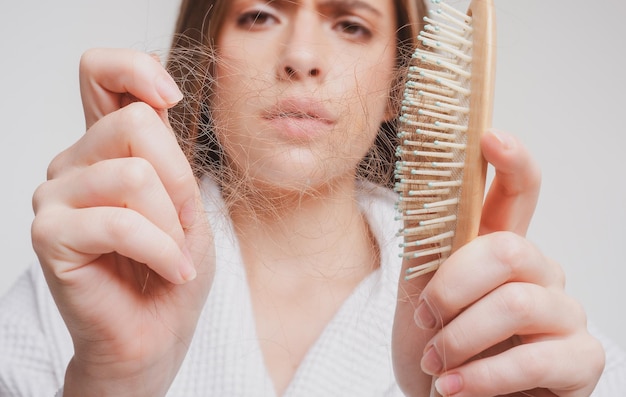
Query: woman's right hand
121	234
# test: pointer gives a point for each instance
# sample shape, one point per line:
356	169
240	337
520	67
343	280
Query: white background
560	88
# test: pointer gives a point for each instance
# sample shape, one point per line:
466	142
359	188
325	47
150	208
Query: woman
277	274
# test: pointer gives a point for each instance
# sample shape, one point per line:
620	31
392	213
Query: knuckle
529	172
135	174
121	224
140	120
43	228
139	125
560	277
577	312
182	180
56	166
40	196
596	357
52	171
88	59
517	300
137	115
511	251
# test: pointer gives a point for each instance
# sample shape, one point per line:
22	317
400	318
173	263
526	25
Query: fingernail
168	90
187	269
424	317
449	385
505	139
431	362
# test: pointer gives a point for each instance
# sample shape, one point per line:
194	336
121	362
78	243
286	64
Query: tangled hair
191	62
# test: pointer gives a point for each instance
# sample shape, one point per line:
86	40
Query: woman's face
302	87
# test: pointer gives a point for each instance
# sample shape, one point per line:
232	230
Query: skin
111	204
495	319
117	225
299	101
302	57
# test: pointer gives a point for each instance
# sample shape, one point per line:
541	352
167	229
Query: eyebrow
341	5
350	5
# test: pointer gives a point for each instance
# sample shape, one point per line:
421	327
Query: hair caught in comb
447	105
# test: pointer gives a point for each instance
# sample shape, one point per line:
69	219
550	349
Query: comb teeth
433	127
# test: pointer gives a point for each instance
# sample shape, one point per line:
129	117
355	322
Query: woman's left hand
495	319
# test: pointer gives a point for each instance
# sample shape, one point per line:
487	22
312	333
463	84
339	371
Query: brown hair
190	62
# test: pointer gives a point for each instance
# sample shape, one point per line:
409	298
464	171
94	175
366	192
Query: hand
494	319
120	232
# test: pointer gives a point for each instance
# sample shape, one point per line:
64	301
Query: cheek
374	78
240	75
368	108
373	90
233	92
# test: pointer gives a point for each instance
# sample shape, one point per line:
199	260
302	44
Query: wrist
85	380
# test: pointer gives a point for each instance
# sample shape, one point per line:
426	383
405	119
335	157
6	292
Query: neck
317	234
304	254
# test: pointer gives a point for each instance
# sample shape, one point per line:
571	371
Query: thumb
111	78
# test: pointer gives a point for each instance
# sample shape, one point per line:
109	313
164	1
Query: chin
306	182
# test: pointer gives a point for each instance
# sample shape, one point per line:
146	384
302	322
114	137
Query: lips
300	119
297	115
300	108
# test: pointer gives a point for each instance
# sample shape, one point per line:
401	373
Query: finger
128	183
108	77
512	197
548	364
521	309
134	131
85	234
477	269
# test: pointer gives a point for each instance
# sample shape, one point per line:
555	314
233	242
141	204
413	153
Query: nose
302	56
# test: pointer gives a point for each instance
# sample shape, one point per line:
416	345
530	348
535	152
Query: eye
256	19
353	29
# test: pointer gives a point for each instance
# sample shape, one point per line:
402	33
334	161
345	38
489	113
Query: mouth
296	115
300	109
